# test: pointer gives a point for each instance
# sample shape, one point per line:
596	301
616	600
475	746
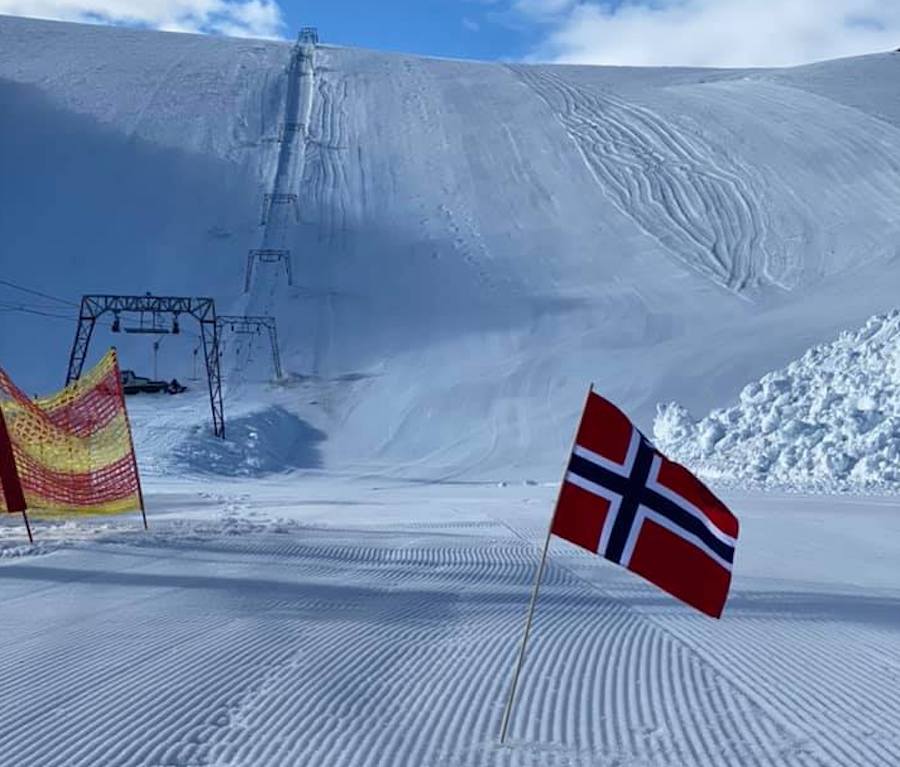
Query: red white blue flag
621	498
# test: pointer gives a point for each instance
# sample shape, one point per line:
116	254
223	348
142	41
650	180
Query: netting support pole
140	492
137	474
13	494
27	526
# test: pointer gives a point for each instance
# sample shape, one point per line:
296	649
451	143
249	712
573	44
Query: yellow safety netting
73	450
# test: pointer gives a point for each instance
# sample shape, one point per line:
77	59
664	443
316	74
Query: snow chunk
268	441
829	420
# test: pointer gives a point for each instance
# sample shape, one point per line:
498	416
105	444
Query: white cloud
237	18
713	32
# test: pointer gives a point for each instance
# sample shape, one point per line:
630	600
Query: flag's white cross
635	495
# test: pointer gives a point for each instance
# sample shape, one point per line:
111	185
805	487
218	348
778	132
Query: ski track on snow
704	208
454	217
798	671
325	191
394	645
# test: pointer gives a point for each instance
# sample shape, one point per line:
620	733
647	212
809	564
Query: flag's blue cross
634	493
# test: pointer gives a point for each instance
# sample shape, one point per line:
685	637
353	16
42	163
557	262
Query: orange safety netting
73	450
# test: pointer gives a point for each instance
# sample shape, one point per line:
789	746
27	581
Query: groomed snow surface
342	581
339	622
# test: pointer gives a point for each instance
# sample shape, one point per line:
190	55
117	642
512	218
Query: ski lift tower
153	309
308	36
245	325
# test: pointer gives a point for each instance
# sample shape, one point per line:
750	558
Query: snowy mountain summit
459	248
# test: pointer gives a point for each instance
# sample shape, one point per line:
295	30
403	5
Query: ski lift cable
57	299
38	293
25	310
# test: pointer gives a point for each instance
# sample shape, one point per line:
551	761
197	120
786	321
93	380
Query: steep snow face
830	419
471	244
131	162
478	242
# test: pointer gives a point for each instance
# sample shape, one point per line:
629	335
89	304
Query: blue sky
647	32
732	33
453	28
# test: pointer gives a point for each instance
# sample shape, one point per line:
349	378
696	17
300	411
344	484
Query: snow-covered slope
471	243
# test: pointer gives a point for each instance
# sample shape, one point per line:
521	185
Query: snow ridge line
702	207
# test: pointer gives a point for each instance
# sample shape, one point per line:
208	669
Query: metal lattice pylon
268	256
246	324
270	199
308	36
202	309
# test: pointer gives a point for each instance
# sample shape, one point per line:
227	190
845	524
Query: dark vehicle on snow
135	384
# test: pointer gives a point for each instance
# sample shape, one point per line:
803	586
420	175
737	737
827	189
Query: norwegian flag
621	498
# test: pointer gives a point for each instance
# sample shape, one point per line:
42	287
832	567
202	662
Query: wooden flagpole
137	475
539	575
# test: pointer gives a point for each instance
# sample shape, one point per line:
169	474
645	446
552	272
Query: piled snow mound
830	419
265	442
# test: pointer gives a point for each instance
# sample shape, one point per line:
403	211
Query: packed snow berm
830	419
